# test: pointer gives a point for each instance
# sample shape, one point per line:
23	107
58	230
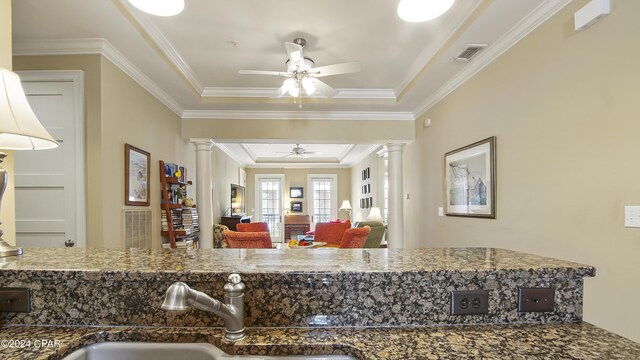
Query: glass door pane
322	199
270	205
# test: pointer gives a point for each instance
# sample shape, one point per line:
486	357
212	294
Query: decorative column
395	218
204	189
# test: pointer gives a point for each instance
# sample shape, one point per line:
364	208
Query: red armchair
248	240
252	227
355	237
331	232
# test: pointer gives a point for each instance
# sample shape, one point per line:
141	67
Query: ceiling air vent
471	51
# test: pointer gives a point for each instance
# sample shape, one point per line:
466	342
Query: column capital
394	146
202	144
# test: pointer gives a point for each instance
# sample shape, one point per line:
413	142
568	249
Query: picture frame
470	180
296	206
136	176
183	174
296	192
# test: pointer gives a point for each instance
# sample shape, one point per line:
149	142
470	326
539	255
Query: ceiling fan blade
290	154
324	89
336	69
262	72
280	92
294	51
313	152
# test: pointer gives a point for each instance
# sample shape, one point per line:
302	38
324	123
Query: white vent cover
470	51
137	229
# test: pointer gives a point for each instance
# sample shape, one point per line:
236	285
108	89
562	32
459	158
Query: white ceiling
190	64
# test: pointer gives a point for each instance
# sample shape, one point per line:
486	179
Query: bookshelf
179	223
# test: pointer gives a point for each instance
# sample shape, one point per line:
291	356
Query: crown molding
298	166
343	93
297	115
432	50
164	45
97	46
230	153
532	21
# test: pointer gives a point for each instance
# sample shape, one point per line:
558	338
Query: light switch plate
440	211
632	216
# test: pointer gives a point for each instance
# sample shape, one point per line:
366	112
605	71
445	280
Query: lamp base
8	250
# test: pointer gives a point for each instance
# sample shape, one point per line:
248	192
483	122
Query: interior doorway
49	184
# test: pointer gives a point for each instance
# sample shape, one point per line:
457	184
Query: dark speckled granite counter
372	304
289	287
551	341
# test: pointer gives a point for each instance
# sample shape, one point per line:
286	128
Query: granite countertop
148	262
550	341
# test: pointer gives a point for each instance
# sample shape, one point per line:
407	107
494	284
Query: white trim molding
102	47
297	115
343	93
536	18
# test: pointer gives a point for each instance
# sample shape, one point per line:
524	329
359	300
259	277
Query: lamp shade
346	205
19	126
375	215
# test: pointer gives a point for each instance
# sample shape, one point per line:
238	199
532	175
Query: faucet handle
234	279
234	285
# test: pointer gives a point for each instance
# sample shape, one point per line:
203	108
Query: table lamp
375	215
19	130
346	205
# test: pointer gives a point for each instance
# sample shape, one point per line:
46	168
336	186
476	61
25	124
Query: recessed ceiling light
422	10
159	7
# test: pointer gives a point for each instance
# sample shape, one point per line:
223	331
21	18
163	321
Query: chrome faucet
180	297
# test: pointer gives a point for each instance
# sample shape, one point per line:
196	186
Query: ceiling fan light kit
302	74
159	7
422	10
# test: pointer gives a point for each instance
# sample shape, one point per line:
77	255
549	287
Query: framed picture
296	206
183	174
470	180
361	203
368	174
296	193
136	176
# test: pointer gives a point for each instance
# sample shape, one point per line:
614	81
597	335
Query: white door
49	184
269	203
323	198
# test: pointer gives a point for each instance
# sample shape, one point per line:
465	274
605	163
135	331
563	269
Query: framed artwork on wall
296	206
136	176
470	180
296	192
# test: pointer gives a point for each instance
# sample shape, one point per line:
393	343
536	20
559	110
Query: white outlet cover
632	216
440	211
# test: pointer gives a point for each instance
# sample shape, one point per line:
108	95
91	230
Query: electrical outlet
469	302
536	299
15	300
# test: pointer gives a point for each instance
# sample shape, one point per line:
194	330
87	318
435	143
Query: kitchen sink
175	351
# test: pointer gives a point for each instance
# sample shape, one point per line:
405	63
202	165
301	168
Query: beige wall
564	107
224	173
118	111
323	131
370	162
131	115
297	178
8	209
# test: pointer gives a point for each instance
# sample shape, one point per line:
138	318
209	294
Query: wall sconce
19	130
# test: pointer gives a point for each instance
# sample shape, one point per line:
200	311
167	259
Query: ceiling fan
298	151
302	75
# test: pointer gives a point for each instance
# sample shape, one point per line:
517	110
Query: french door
323	197
269	203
